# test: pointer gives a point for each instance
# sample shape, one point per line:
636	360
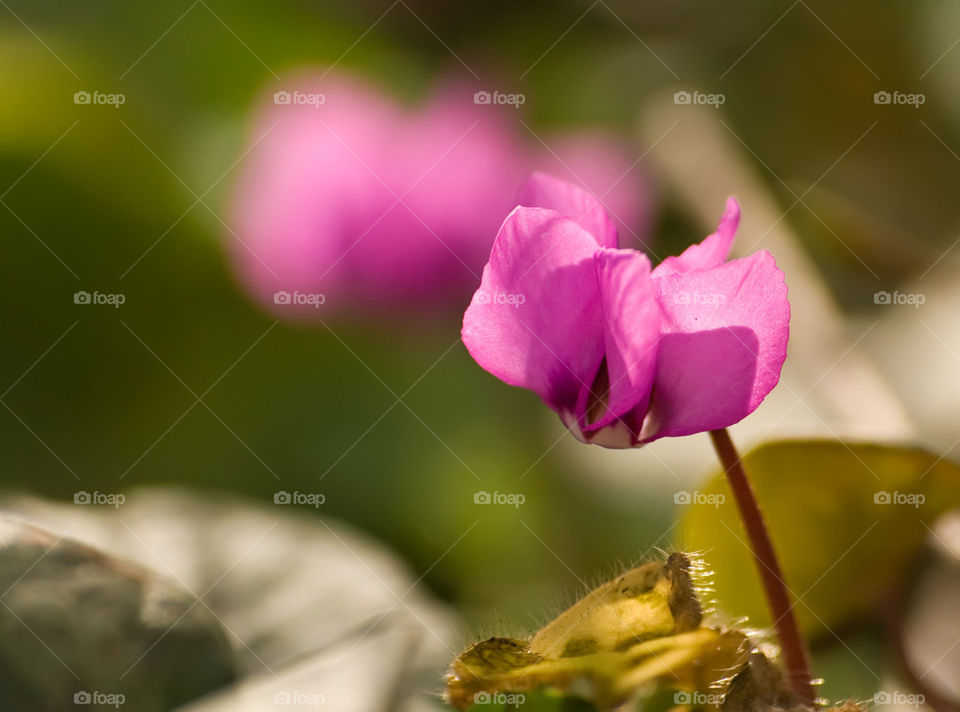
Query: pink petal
455	165
606	166
535	321
724	342
303	185
631	320
545	191
709	253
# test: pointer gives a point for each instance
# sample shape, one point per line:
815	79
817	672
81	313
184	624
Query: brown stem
795	655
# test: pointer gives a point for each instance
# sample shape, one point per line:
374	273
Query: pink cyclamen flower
626	354
380	206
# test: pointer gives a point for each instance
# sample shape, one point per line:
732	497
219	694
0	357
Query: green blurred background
96	198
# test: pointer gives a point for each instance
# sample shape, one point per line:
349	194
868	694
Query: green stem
795	655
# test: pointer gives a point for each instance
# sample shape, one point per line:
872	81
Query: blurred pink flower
626	354
377	206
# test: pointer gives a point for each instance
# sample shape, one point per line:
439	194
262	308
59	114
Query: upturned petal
603	168
545	191
723	343
535	321
709	253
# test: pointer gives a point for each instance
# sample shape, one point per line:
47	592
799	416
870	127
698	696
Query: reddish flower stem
795	655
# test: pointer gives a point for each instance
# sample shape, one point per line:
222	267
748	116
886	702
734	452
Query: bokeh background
191	382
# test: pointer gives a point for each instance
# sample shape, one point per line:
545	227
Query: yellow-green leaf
846	519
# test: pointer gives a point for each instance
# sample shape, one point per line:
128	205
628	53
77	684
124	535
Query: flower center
599	394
